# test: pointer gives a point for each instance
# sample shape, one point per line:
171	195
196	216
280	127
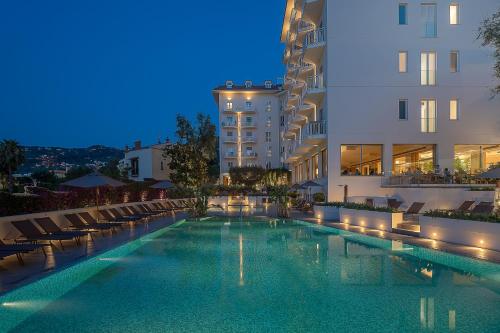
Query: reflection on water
276	276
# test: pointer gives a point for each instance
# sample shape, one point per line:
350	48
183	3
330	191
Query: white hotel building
380	90
249	122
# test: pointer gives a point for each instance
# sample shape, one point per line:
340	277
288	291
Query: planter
371	219
327	212
465	232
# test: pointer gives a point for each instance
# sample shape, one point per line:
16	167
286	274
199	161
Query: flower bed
449	228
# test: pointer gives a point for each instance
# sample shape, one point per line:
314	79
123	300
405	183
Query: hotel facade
380	91
249	125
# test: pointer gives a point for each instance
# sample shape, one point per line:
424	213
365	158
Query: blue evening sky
82	72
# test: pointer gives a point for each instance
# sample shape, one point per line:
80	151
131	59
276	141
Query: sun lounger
91	221
146	209
160	208
18	249
51	228
484	207
465	206
78	224
413	211
131	211
393	203
31	233
111	218
140	211
120	217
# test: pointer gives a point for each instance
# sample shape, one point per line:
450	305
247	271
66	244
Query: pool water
227	275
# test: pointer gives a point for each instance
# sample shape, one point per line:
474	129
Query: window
230	134
248	105
454	14
408	159
229	84
361	160
473	159
403	61
268	123
282	121
308	166
229	105
268	107
268	165
428	68
429	20
269	151
454	109
403	109
134	167
324	163
403	14
161	166
454	61
248	84
315	166
230	165
268	136
249	134
428	116
268	84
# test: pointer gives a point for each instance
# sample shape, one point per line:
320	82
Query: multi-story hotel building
249	122
378	91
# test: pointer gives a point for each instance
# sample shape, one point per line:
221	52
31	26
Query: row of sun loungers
44	231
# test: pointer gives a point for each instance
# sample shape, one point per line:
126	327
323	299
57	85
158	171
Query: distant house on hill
146	163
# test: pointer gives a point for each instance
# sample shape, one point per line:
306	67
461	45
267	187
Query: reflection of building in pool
418	102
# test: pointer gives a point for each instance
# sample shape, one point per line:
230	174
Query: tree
276	177
77	171
11	158
489	32
45	178
279	195
111	169
248	176
192	157
193	152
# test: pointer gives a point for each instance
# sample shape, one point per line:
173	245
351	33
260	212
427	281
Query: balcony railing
250	154
230	139
314	129
419	179
247	139
314	38
315	82
230	154
229	123
248	124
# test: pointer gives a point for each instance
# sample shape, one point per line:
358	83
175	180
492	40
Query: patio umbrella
94	180
493	174
296	187
309	184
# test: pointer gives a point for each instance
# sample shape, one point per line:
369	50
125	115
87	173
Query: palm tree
11	157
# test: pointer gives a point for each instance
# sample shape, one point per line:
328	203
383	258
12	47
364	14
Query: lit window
403	61
454	109
361	160
454	14
428	116
229	105
268	136
403	109
429	20
454	61
403	14
428	68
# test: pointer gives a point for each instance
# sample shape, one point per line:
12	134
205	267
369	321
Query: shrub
319	197
463	216
350	205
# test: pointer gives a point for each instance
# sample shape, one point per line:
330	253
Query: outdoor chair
125	218
78	224
413	211
484	207
32	234
108	217
51	228
393	203
91	221
18	250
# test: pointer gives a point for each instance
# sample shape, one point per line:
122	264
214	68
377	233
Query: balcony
248	124
250	155
305	26
313	10
314	133
314	44
248	139
315	89
230	139
246	109
230	155
228	109
229	124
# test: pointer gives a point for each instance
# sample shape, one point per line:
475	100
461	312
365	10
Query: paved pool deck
36	265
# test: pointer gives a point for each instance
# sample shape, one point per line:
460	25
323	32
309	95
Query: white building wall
364	86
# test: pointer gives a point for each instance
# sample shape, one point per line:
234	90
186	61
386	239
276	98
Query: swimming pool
260	276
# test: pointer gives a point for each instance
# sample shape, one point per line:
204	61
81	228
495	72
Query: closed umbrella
94	180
